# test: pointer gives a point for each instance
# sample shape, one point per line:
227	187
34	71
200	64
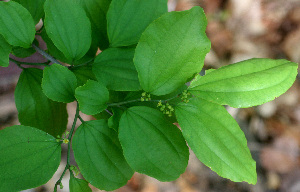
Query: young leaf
68	27
96	11
59	83
171	50
28	158
247	83
5	50
216	139
92	97
126	20
99	155
114	67
152	145
83	73
35	7
35	109
17	25
78	185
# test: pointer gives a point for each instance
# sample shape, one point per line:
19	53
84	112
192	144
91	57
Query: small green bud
61	185
66	141
144	94
142	99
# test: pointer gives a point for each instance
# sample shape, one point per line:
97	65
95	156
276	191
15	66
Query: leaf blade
5	50
216	139
28	158
246	83
68	27
34	108
93	142
114	67
126	20
17	25
59	83
151	144
171	50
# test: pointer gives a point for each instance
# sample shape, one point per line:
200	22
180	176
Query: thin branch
25	63
69	149
46	55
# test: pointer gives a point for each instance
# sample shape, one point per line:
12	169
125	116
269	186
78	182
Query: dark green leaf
216	139
171	50
247	83
96	11
78	185
99	155
59	83
17	25
68	27
83	73
114	67
151	144
24	52
28	158
35	7
5	50
35	109
113	121
92	97
126	20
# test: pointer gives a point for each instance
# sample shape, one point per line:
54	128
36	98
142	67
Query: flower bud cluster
185	96
166	109
146	96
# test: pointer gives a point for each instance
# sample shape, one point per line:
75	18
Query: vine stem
69	148
46	55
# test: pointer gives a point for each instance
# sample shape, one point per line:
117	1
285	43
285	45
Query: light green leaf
216	139
96	11
28	158
126	20
78	185
114	67
83	73
92	97
99	155
247	83
68	27
152	145
59	83
35	7
17	25
5	50
171	50
35	109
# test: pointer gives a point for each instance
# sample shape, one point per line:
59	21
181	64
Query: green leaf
92	97
68	27
247	83
17	25
113	121
35	7
152	145
114	67
24	52
28	158
35	109
78	185
99	155
126	20
59	83
83	73
171	50
96	11
216	139
5	50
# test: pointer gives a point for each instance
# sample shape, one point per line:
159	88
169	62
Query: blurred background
238	30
